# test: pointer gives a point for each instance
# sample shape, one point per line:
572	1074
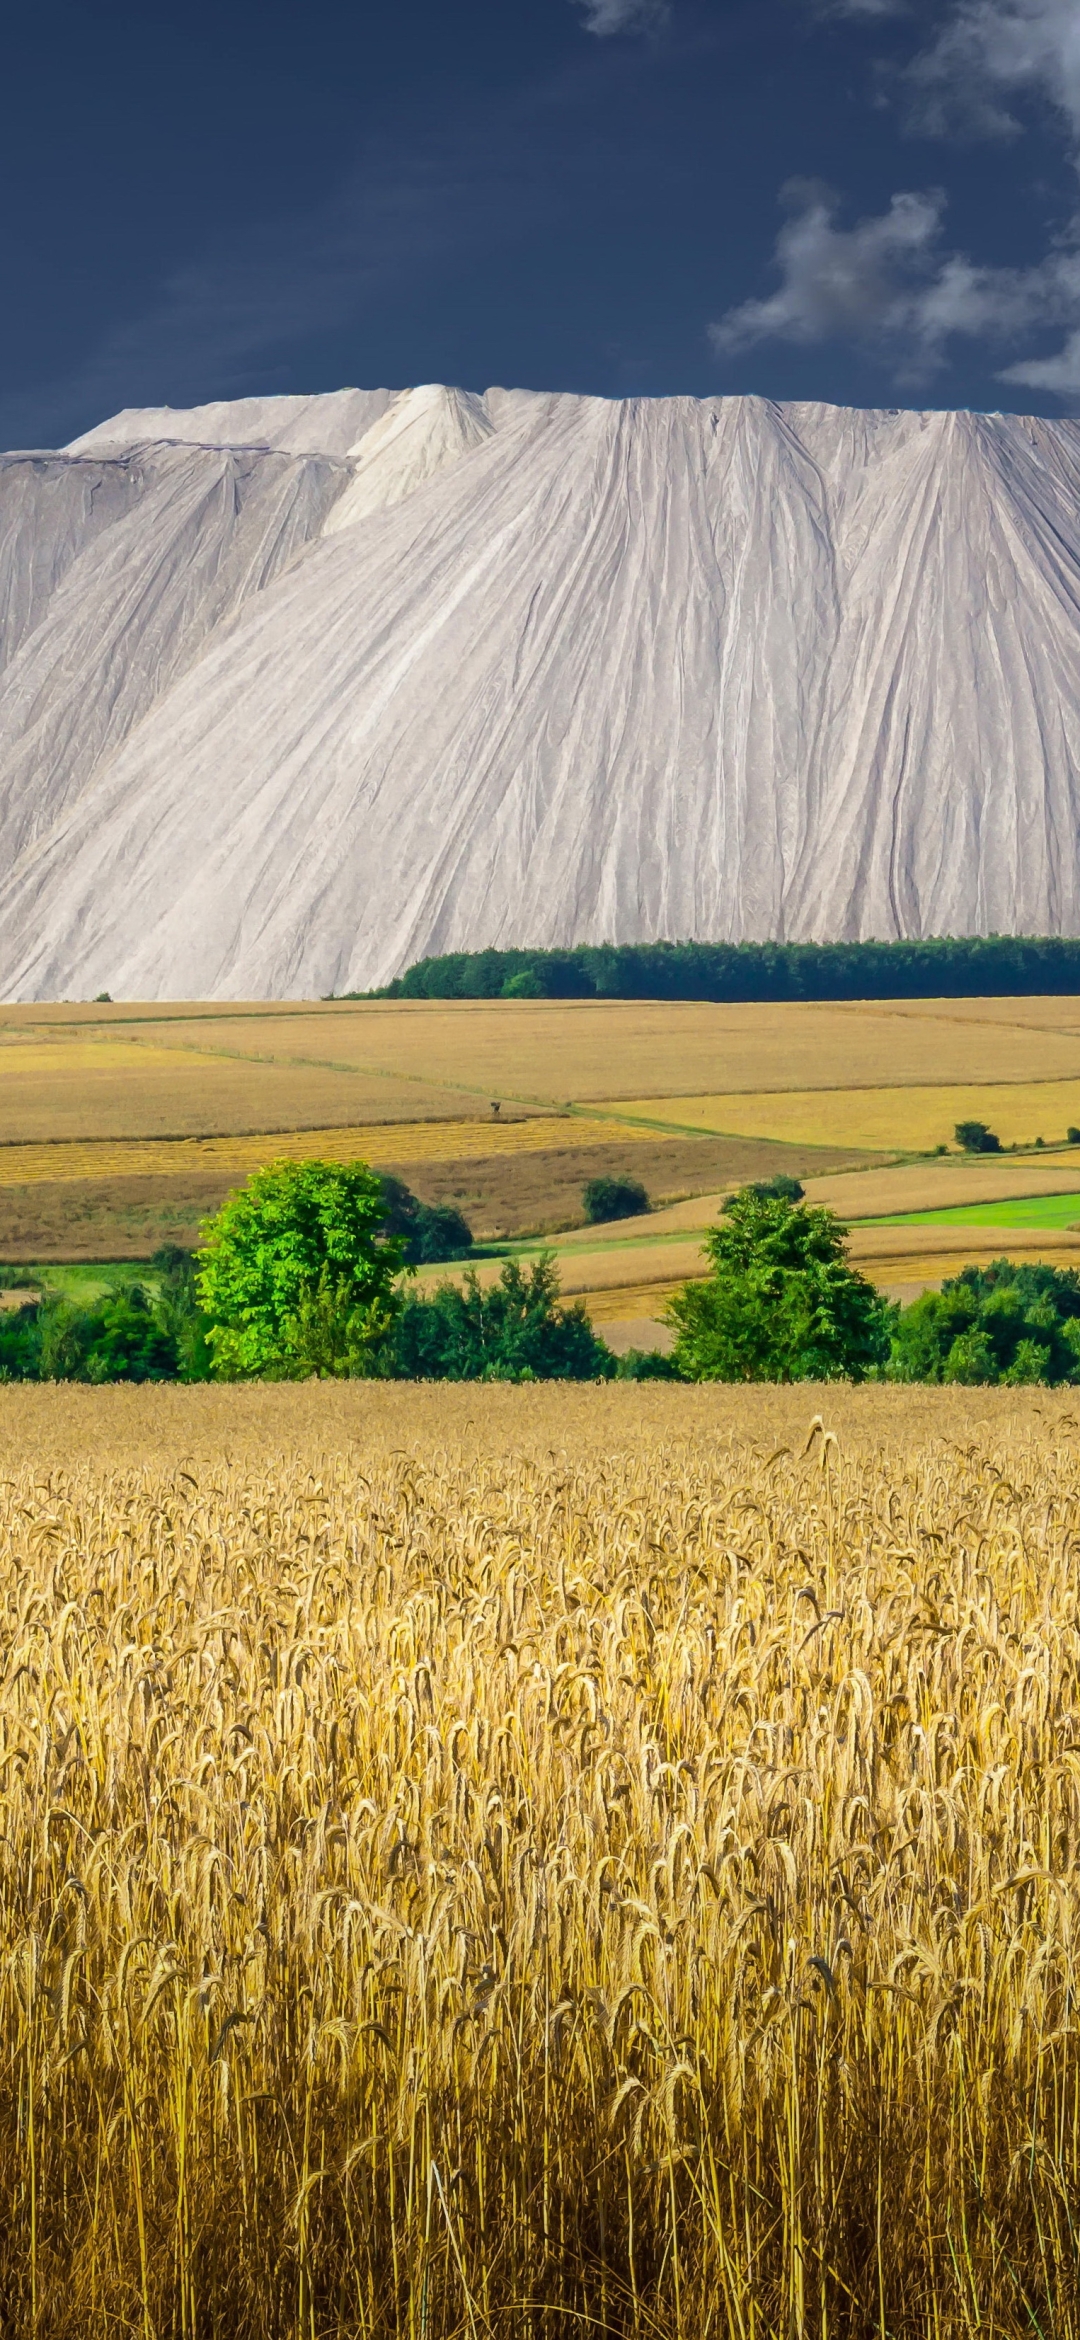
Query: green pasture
1027	1210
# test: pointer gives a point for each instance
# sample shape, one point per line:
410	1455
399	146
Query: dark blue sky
872	201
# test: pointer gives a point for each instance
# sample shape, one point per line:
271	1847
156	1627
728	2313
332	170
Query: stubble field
539	1862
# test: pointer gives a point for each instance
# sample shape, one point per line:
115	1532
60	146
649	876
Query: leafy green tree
176	1307
976	1138
511	1331
782	1303
296	1273
1011	1322
613	1198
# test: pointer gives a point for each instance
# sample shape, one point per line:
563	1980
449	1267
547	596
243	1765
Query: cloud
887	285
991	49
604	17
838	282
1060	374
866	9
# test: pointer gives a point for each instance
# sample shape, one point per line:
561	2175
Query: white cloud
838	282
991	49
604	17
887	285
1060	374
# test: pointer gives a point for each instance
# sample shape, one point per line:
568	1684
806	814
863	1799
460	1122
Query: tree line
306	1271
947	966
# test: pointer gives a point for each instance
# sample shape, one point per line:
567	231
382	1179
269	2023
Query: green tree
1011	1322
782	1303
613	1198
296	1273
976	1138
510	1331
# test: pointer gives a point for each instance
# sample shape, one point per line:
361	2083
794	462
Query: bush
429	1232
126	1336
1072	1136
512	1331
647	1365
1010	1322
976	1138
782	1302
524	985
296	1273
613	1198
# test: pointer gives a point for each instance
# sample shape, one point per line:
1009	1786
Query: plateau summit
294	691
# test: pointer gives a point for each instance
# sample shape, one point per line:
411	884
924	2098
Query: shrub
613	1198
782	1302
524	985
511	1331
122	1337
975	1138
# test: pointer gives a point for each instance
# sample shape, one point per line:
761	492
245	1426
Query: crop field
1032	1210
880	1119
599	1860
122	1127
124	1070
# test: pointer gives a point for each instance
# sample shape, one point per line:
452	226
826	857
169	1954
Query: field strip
962	1241
627	1301
381	1144
884	1120
1047	1210
882	1193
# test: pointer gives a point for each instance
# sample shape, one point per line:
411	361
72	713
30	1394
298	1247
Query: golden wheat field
879	1118
537	1862
136	1071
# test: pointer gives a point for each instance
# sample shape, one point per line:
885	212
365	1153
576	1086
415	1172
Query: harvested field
102	1090
479	1862
536	1051
521	1188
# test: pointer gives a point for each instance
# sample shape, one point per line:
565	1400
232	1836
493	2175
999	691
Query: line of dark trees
949	966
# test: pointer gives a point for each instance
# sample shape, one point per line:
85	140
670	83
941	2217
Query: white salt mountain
295	690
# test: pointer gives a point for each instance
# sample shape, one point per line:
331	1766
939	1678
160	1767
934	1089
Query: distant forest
990	966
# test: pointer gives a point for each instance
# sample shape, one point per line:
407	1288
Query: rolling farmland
122	1126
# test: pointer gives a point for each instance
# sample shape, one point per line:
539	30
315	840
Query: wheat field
589	1862
877	1118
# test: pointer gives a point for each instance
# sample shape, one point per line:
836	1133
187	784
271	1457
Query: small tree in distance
975	1138
613	1198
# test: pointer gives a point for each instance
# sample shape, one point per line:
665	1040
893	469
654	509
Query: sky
874	202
